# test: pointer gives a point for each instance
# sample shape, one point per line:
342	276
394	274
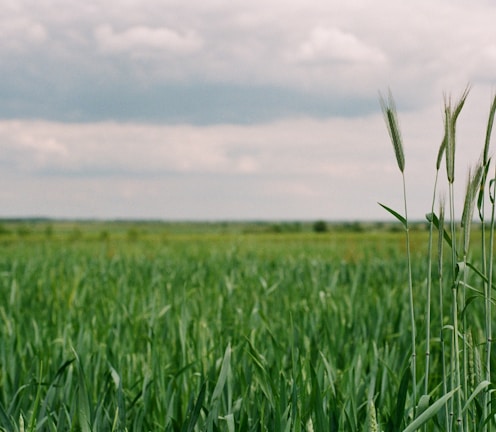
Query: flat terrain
263	327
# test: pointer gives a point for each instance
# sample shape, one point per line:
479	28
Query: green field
151	327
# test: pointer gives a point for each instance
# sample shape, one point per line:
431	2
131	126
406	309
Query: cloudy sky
216	109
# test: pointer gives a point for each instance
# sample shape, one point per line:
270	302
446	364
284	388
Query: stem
441	308
486	284
464	338
412	310
456	360
488	308
429	286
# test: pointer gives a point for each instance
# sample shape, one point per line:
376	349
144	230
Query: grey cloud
212	62
176	104
295	168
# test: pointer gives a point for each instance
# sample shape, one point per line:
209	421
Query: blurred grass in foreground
204	331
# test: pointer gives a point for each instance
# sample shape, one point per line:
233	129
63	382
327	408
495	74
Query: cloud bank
231	110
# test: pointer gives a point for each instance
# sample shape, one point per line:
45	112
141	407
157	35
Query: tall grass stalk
473	185
466	385
430	218
487	260
487	302
448	423
462	385
451	116
391	118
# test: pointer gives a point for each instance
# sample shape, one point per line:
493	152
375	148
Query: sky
235	110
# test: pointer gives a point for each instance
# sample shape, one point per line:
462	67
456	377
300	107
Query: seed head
391	118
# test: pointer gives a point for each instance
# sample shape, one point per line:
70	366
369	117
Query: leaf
482	385
491	190
83	400
230	422
121	406
440	153
4	419
469	300
429	412
432	218
317	400
423	403
223	374
489	128
480	274
195	413
395	214
480	197
401	399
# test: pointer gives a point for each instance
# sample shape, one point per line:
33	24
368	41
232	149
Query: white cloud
21	33
330	43
143	39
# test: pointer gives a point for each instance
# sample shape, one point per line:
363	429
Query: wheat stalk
389	110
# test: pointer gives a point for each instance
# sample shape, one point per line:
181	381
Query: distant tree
356	227
320	226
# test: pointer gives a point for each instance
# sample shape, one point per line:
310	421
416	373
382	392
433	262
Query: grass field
122	327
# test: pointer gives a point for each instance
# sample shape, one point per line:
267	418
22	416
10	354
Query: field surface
147	328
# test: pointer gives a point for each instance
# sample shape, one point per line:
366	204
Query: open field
127	327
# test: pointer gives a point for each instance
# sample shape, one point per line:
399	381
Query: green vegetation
264	331
463	393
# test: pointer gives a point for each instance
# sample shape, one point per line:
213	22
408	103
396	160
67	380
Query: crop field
120	328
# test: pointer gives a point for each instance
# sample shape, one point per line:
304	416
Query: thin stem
454	289
486	285
464	339
412	310
429	287
441	308
488	260
488	307
473	186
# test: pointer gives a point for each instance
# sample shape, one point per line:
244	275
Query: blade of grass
194	414
429	412
395	214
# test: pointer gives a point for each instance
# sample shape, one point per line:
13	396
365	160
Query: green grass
204	332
